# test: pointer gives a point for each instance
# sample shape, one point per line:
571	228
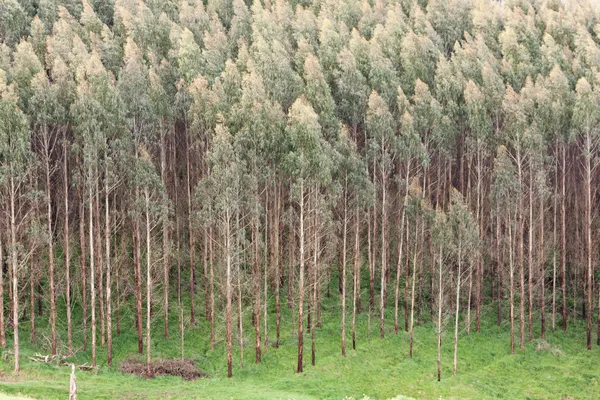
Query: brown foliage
186	369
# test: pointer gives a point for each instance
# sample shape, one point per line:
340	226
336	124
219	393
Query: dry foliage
186	369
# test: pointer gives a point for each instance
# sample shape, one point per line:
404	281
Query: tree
15	168
586	119
381	129
305	162
464	230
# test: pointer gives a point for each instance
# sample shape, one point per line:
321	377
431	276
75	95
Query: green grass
378	369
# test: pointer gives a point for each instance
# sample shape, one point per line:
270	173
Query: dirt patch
186	369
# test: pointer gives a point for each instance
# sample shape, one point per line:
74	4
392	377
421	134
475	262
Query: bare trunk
563	253
530	254
14	259
301	281
108	268
92	265
457	303
356	274
228	311
439	330
148	284
67	252
344	244
50	256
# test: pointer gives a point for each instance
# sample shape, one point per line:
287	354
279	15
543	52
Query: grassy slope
378	368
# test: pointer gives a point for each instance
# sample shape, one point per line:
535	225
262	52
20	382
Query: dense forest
420	160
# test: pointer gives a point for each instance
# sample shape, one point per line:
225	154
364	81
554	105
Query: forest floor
559	367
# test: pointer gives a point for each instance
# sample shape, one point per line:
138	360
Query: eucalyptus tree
307	164
261	123
14	171
586	117
96	110
517	108
464	230
555	109
226	184
381	138
352	174
153	205
441	235
133	88
504	193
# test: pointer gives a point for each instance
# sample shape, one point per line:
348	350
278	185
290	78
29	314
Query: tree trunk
512	287
356	273
530	254
563	253
82	264
14	264
383	252
67	252
457	303
148	284
344	244
50	256
228	310
439	336
165	237
2	332
92	266
301	281
108	267
588	235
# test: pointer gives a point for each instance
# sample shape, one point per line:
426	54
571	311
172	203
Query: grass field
378	369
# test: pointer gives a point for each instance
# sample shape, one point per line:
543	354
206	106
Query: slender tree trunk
32	286
211	288
165	236
301	281
344	244
92	264
138	280
588	235
530	254
457	303
439	336
148	284
228	310
108	267
542	258
191	237
499	268
512	288
239	290
400	252
554	247
356	273
277	266
50	255
67	253
2	331
256	279
479	272
14	258
383	252
412	295
563	253
99	261
82	264
520	229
